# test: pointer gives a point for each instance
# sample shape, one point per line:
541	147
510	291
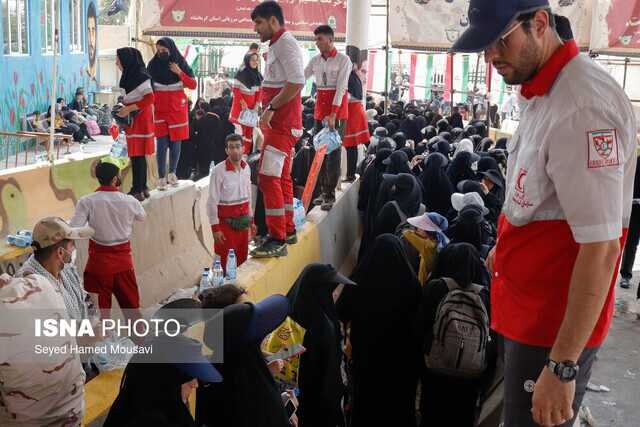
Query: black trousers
330	172
352	161
629	254
139	170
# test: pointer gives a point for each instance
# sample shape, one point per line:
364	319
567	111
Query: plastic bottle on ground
232	265
204	281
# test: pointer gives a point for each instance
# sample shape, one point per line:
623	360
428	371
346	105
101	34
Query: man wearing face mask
111	214
54	259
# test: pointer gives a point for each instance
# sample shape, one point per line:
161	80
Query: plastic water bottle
204	281
217	274
232	265
211	166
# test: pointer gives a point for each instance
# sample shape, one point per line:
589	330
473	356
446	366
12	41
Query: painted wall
26	80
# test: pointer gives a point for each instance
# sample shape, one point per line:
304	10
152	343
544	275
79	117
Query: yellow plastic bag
284	336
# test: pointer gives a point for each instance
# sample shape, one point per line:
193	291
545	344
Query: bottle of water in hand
232	265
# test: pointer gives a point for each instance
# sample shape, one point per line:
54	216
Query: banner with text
616	27
204	17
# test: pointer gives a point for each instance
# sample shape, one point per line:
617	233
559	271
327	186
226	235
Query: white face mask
74	256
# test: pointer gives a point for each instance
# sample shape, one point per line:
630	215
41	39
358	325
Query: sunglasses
502	41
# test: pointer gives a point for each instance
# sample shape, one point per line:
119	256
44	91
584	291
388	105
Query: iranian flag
191	56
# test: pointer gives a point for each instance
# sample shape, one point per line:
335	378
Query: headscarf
486	163
460	168
134	72
485	145
437	186
249	77
463	145
444	148
405	191
312	307
398	163
159	69
150	388
501	143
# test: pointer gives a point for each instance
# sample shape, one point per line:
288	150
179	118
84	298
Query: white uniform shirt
111	214
573	156
330	74
228	187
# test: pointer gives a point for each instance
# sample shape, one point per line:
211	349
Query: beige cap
51	230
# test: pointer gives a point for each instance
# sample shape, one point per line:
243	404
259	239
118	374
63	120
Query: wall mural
92	40
26	82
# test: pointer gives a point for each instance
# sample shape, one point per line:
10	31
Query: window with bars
75	25
14	24
49	9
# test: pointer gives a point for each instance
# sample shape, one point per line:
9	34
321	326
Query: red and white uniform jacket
111	214
250	95
570	181
172	108
332	78
141	134
229	192
284	64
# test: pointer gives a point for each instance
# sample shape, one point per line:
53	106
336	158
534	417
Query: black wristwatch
270	108
566	371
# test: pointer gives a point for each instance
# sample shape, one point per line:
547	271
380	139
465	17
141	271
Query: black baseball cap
493	176
491	19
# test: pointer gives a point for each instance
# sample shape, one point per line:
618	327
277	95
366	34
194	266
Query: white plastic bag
329	137
249	118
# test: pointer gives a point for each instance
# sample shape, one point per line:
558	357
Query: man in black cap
567	207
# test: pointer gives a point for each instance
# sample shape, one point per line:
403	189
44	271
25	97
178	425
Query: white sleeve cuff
597	233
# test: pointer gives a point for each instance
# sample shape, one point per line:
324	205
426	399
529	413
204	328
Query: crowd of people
474	254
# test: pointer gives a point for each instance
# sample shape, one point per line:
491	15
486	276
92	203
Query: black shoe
318	201
625	283
272	248
349	179
292	238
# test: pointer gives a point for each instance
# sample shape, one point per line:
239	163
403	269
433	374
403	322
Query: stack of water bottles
212	277
21	239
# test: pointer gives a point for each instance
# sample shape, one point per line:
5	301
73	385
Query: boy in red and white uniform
331	71
229	205
111	214
281	123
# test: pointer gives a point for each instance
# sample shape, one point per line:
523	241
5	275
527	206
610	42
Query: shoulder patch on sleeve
603	148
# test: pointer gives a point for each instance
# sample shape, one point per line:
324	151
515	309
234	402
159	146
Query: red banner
623	21
301	16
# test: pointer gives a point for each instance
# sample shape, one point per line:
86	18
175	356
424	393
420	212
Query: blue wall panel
25	81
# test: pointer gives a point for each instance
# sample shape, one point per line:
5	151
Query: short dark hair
266	10
59	100
105	172
221	296
324	29
42	254
232	137
253	46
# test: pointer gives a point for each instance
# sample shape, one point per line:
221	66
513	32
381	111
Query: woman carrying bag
247	92
170	74
138	100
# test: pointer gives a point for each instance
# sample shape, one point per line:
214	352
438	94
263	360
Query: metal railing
22	148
